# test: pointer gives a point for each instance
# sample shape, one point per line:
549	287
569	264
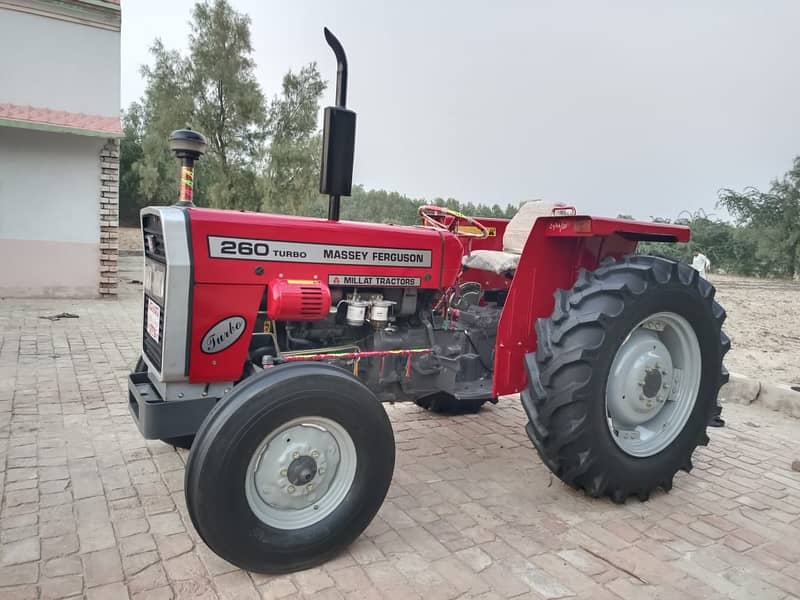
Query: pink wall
48	269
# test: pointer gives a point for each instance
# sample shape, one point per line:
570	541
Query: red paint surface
556	249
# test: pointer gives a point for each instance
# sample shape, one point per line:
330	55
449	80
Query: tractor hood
254	248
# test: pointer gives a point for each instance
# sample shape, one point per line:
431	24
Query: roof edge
102	14
47	119
50	128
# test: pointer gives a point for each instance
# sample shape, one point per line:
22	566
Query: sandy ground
764	326
763	321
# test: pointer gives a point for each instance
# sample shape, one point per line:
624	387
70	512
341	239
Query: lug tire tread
559	423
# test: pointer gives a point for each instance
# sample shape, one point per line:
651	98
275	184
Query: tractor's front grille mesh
153	241
153	238
152	348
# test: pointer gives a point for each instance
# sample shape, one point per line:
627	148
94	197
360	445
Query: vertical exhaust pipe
338	138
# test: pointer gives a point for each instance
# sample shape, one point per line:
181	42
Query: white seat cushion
521	225
517	232
491	260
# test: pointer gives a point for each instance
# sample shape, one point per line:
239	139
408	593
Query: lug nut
314	454
321	471
290	489
283	472
310	487
295	455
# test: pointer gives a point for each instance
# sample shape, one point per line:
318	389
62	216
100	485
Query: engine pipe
338	137
359	354
188	145
356	356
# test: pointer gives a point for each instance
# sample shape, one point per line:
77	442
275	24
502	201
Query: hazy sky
630	106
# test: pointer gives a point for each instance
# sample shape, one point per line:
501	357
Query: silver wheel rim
653	384
300	473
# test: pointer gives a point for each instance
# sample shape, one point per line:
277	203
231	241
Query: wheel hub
301	470
653	384
297	466
638	385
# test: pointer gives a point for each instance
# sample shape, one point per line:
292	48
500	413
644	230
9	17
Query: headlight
154	275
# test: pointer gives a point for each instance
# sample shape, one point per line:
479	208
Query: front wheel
290	468
625	376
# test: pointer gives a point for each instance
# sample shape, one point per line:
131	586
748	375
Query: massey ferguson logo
307	252
222	335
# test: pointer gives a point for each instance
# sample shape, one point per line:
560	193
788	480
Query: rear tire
184	441
574	399
290	468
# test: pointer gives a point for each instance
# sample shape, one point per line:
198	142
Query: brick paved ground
91	510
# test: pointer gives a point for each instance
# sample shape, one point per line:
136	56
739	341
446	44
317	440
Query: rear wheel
625	376
290	468
183	441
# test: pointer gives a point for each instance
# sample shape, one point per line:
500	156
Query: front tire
625	376
290	468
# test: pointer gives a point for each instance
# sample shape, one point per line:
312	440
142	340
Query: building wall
55	63
50	190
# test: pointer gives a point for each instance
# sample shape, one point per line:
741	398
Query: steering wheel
429	214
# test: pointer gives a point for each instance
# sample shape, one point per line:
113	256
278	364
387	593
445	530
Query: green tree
130	151
228	104
166	105
776	214
293	172
215	91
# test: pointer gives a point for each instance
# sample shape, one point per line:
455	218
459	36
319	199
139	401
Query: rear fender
556	250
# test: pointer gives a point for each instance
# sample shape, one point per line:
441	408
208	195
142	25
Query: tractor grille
153	238
153	241
153	349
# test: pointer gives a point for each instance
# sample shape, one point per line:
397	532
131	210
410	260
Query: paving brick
102	567
20	551
173	545
61	587
160	593
350	579
67	565
112	591
469	513
312	581
236	586
94	536
152	577
166	523
187	566
19	592
278	587
61	545
19	574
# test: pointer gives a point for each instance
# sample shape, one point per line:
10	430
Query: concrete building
59	147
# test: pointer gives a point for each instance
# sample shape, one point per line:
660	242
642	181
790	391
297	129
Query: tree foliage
264	155
228	104
776	214
293	171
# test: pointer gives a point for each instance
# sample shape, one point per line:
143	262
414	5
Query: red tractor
270	341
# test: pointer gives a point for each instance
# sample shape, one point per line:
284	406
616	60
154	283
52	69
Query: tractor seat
514	238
